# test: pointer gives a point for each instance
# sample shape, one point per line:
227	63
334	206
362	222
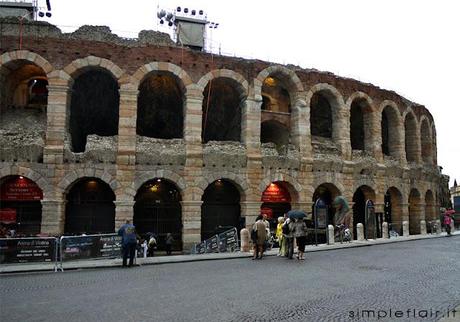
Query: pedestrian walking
259	236
128	242
300	234
169	241
288	237
279	237
447	222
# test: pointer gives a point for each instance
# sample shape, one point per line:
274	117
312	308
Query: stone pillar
250	210
124	210
193	115
341	130
191	221
385	230
244	235
330	234
376	135
405	226
423	227
53	217
250	125
127	127
57	119
300	127
359	232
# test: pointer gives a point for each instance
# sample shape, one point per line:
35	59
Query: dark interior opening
275	132
160	107
220	208
359	210
320	116
356	126
410	143
385	134
221	111
94	107
157	210
90	208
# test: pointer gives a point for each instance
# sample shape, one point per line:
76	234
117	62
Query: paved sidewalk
107	263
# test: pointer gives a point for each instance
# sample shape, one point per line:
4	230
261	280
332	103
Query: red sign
8	215
276	193
20	189
267	211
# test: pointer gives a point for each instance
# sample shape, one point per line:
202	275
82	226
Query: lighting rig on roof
188	24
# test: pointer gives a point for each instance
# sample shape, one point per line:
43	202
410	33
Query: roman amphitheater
96	129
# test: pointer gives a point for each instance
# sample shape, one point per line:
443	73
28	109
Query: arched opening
410	135
23	102
222	105
426	142
327	192
430	210
276	201
94	107
274	132
357	136
157	210
276	111
393	209
220	209
160	107
415	212
360	197
20	205
90	208
389	131
321	115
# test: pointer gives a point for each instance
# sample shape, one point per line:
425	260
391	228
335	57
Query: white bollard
385	230
330	233
360	232
405	225
244	233
438	224
422	227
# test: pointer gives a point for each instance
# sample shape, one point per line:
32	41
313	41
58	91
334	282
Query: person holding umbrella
299	231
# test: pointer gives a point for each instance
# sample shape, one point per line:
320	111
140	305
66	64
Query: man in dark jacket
128	242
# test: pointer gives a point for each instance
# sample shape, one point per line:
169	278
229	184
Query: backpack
285	229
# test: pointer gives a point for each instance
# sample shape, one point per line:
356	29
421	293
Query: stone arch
411	136
294	187
75	176
224	102
42	182
336	102
144	177
430	206
177	71
390	129
361	194
225	73
362	121
80	65
426	141
328	178
236	180
9	57
367	183
89	113
161	101
393	207
288	76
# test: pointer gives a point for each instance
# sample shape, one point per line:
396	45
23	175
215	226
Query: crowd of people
290	229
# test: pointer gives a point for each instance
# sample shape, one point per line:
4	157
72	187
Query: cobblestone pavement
339	285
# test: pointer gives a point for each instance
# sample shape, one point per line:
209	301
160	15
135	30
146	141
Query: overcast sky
409	46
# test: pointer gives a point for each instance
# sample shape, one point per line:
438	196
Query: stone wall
127	160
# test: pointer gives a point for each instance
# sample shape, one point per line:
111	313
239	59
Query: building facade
97	129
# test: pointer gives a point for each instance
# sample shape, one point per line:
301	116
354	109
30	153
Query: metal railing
226	241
